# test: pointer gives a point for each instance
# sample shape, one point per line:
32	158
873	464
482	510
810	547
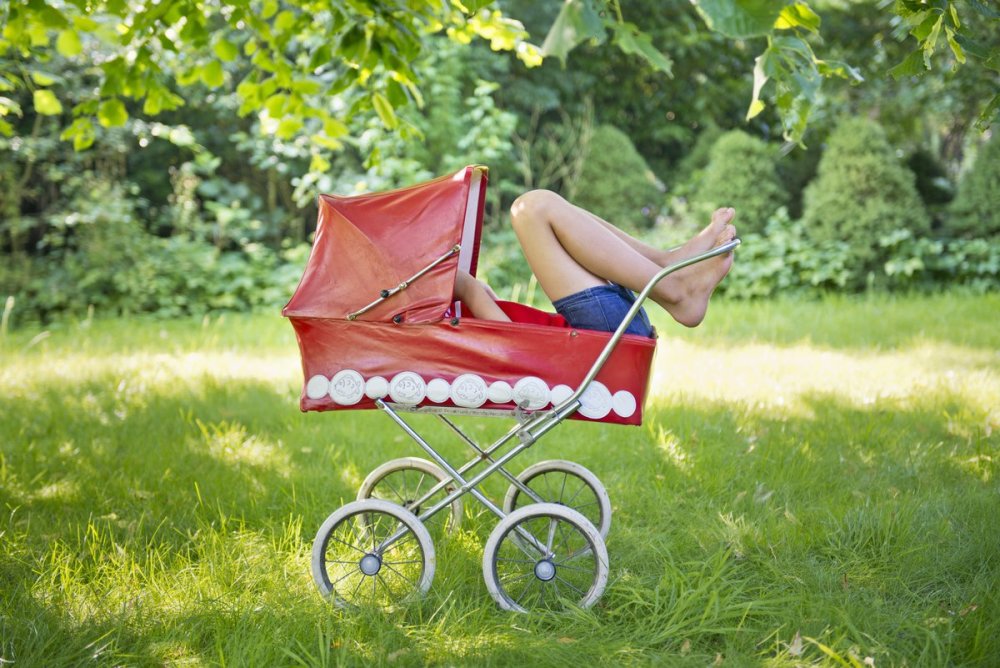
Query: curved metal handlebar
566	406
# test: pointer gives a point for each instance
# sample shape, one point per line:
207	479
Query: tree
862	194
974	212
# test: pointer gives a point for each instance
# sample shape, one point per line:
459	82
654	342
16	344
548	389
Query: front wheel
545	557
372	553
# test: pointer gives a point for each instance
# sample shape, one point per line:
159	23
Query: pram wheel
545	557
568	484
406	481
356	562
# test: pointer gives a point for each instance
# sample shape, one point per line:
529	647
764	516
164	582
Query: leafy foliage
975	212
615	182
934	23
862	192
785	259
741	173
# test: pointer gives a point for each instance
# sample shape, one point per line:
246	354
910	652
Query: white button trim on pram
376	387
595	402
500	392
438	390
407	388
624	403
347	387
317	387
531	393
561	393
468	391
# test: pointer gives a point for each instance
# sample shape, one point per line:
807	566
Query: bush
974	212
784	260
741	173
862	193
616	183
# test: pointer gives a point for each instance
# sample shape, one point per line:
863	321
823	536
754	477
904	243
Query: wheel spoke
571	586
353	547
350	573
387	565
553	525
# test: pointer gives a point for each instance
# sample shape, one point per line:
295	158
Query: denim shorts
603	308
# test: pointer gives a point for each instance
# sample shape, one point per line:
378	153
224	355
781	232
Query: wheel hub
370	564
545	570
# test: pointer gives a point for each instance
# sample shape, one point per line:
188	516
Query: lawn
814	483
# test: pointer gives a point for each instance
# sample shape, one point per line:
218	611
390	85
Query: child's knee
532	206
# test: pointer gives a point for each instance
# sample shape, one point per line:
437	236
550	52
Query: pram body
413	346
377	327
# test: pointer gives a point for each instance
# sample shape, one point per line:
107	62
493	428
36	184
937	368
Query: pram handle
632	312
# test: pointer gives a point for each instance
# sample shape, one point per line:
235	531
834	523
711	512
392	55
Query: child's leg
570	249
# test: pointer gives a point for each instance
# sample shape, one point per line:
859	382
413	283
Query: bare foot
685	294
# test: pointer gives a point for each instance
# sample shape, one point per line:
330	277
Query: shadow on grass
868	526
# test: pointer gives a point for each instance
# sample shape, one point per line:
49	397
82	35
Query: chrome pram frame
374	528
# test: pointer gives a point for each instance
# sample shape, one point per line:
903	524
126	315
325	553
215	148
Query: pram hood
368	243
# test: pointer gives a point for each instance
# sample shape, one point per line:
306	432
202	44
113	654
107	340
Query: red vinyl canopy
369	243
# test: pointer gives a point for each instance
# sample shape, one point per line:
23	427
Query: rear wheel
568	484
405	481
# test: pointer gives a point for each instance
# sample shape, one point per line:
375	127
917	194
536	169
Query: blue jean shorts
603	308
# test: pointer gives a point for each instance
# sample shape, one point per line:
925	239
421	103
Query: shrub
616	183
974	212
782	260
862	193
741	173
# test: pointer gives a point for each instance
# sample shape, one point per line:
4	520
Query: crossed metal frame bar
530	426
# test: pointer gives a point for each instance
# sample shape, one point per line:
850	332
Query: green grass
815	483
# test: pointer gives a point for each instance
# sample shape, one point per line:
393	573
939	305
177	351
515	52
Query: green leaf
972	47
46	103
912	66
955	47
985	119
840	69
629	39
740	19
473	6
269	9
211	74
385	111
984	10
798	15
43	78
112	113
68	44
284	21
81	131
577	22
225	49
288	127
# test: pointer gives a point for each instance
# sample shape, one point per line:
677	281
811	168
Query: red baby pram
378	328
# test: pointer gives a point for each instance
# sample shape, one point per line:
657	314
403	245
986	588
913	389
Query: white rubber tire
367	507
536	510
415	464
572	468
